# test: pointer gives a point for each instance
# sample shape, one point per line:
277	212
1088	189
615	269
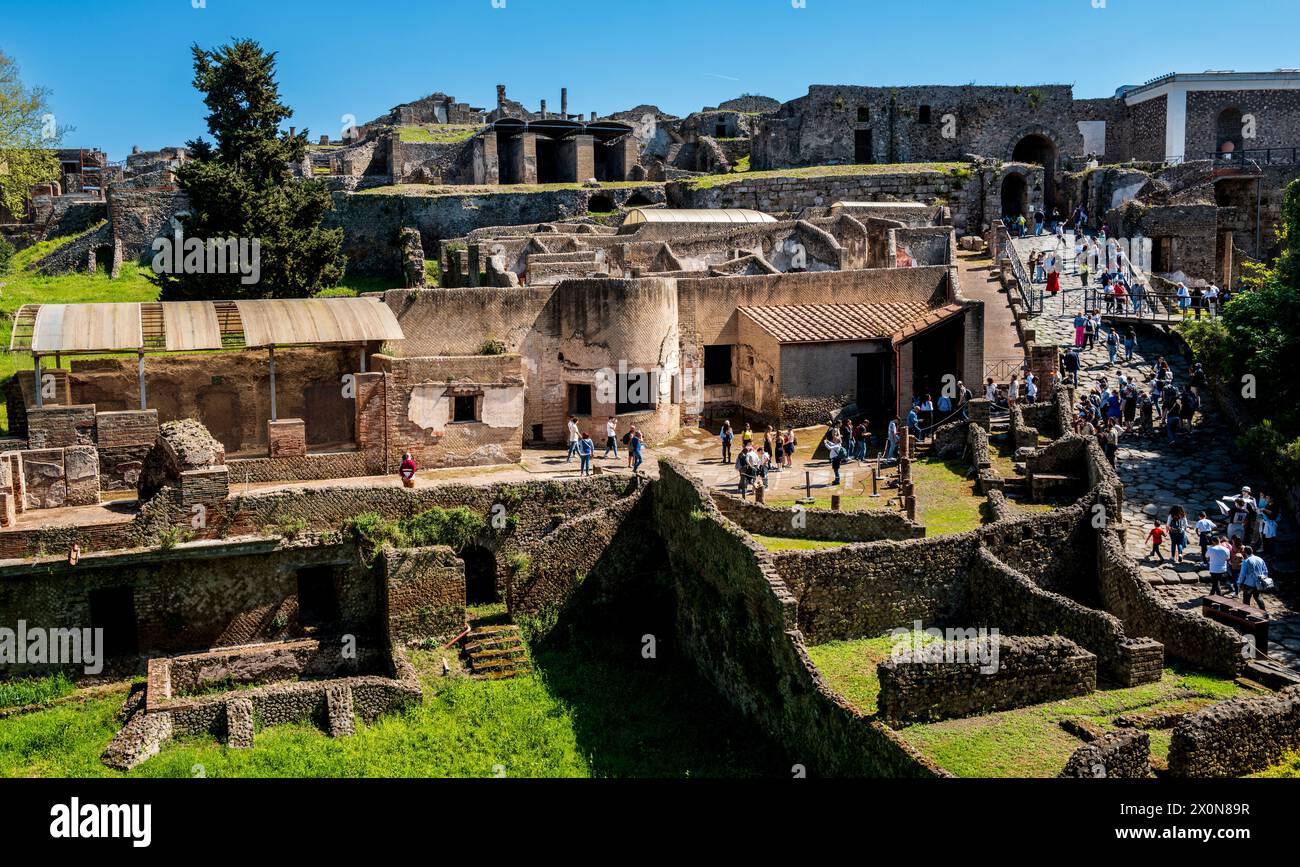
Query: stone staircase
497	652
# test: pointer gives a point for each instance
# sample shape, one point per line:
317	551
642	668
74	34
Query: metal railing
1148	305
1031	297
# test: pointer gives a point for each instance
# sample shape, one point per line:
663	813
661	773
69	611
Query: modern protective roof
179	326
701	215
816	323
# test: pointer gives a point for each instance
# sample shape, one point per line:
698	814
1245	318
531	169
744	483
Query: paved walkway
1194	471
980	281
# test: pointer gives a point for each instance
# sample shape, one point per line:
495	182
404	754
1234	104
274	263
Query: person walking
1080	329
914	424
586	448
636	446
726	435
891	440
574	436
1071	361
611	438
1217	556
1156	537
835	451
744	469
1130	343
1177	533
1253	578
1205	530
1112	344
1031	388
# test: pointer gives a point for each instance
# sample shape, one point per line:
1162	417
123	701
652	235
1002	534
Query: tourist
991	391
835	451
1031	388
407	470
1039	219
611	437
1234	562
1071	362
1112	343
726	435
1020	225
635	446
1094	327
1156	537
1237	517
1080	329
790	441
1121	298
745	468
1013	390
586	448
768	445
1177	533
1173	415
574	436
747	436
1211	300
1111	442
914	424
1205	531
1053	282
1253	578
1217	556
1189	403
1130	407
860	434
1184	298
891	440
927	412
1198	300
1130	343
963	399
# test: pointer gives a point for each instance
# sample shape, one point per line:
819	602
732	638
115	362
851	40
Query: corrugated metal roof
104	327
700	215
813	323
285	322
44	329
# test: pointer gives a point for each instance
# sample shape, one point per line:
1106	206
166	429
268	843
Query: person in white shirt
1205	529
990	391
1013	389
611	437
1031	387
1217	556
574	436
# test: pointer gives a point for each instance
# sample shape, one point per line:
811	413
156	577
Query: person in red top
1156	537
407	470
1053	282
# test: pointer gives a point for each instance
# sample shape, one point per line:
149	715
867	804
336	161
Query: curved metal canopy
179	326
702	215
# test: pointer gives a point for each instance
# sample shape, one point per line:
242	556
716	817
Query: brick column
577	159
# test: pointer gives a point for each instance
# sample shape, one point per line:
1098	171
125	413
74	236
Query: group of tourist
754	462
584	447
1233	556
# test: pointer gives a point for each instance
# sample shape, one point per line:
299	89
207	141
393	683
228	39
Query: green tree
27	136
239	186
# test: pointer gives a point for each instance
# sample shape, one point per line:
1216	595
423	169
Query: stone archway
1038	146
1228	138
1015	195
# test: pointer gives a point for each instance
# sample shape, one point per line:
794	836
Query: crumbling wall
1236	737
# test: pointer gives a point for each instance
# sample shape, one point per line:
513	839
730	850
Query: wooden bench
1253	621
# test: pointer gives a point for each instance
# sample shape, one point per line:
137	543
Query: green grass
1288	768
1029	741
850	667
946	501
780	543
958	170
440	134
575	717
35	690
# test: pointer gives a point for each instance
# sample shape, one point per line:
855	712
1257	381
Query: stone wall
937	682
861	591
424	592
1186	635
1236	737
736	620
1003	598
871	525
1118	755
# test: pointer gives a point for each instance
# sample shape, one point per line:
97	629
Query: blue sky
120	70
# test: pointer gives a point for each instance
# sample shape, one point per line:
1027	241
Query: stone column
577	158
523	156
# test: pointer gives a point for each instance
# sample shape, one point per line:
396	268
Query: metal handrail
1032	300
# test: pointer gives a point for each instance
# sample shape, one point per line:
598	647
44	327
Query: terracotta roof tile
812	323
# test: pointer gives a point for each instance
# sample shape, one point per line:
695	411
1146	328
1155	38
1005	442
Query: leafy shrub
492	346
337	292
6	256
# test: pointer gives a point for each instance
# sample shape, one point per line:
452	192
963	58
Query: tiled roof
812	323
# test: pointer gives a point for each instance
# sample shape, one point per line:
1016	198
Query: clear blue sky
120	70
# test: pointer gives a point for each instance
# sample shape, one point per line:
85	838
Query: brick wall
864	526
424	594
